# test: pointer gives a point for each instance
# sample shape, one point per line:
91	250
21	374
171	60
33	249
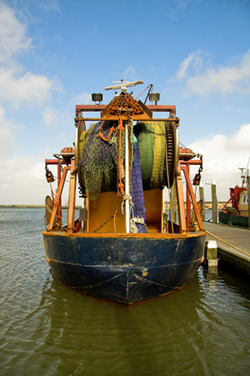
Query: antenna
124	86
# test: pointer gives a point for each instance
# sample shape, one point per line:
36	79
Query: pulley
49	176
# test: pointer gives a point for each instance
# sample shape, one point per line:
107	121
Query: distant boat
237	214
124	247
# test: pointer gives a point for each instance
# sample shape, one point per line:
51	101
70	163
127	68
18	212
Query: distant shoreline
208	205
21	206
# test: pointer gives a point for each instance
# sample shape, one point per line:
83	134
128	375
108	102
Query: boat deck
233	244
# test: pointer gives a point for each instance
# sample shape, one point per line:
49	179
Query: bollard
248	193
214	202
201	189
211	255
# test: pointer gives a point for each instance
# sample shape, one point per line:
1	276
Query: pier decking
233	245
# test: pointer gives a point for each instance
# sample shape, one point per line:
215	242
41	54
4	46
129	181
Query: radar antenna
124	85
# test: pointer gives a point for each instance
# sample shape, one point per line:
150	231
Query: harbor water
47	329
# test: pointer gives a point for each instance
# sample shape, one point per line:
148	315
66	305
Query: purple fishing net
137	187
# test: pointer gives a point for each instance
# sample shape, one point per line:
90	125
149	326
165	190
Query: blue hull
124	268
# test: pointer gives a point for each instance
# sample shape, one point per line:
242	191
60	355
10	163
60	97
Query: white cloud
130	73
49	5
192	62
22	181
13	35
18	87
202	80
177	10
8	131
83	98
222	158
52	117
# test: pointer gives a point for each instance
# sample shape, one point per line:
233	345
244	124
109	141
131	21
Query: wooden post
201	189
248	192
214	201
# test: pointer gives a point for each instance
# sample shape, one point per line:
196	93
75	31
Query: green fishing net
152	147
98	163
101	166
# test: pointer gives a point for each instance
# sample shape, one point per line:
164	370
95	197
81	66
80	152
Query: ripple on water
48	329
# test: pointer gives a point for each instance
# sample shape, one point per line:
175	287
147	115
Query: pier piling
248	192
214	201
201	190
211	255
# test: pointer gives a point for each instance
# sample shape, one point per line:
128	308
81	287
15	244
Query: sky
55	53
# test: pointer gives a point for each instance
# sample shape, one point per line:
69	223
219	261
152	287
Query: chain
125	197
108	220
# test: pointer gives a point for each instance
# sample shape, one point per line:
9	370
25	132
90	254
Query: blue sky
55	53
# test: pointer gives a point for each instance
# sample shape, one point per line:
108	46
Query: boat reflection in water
81	335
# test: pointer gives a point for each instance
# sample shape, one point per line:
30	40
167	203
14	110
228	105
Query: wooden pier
233	245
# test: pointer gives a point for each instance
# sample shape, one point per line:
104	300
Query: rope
238	249
120	185
169	190
110	133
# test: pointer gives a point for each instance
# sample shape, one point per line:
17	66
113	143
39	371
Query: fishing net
157	178
102	154
138	212
146	151
152	150
98	160
101	162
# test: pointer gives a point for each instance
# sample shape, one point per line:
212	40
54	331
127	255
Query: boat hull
124	268
233	219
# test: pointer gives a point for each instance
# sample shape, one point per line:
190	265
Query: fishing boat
237	213
130	243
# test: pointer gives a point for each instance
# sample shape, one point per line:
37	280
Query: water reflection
48	329
190	331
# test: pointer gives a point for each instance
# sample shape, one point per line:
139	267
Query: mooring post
211	255
248	192
214	201
201	190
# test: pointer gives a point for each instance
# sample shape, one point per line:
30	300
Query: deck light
154	97
97	97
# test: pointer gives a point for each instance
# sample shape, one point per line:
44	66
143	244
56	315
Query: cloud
8	131
13	35
22	181
49	5
83	98
200	79
193	61
222	158
130	73
17	85
178	6
52	117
